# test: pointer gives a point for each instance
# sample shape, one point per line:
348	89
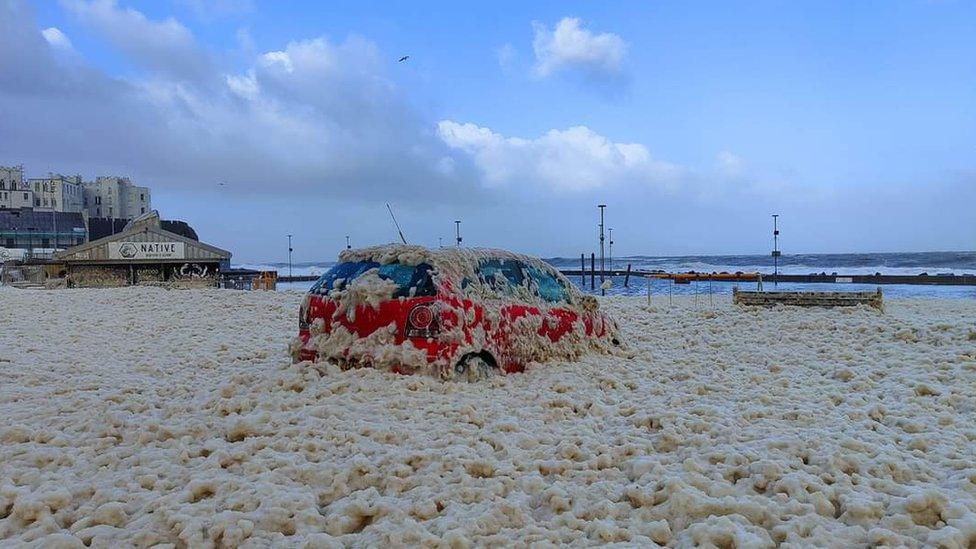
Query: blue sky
692	121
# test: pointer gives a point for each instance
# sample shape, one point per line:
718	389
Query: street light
775	250
610	250
602	260
348	247
457	231
289	256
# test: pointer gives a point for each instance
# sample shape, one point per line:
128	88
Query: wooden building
143	253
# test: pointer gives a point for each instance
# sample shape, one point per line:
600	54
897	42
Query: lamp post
348	247
457	231
610	250
775	250
603	265
289	256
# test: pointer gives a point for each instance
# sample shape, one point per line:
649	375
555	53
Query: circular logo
128	250
4	255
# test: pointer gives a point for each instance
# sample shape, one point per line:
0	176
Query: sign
146	250
12	254
843	280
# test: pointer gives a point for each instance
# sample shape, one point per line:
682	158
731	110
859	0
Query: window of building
3	184
98	212
26	197
142	210
110	211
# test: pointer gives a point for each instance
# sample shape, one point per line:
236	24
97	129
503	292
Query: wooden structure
144	254
808	299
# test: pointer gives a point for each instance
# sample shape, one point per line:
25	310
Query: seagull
402	59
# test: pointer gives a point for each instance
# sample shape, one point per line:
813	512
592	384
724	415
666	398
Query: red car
463	313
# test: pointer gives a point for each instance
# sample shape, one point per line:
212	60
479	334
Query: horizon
250	121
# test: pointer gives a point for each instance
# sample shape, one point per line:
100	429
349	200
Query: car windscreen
410	280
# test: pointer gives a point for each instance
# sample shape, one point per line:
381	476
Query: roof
26	219
143	229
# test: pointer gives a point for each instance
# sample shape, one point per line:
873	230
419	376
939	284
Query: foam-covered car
462	313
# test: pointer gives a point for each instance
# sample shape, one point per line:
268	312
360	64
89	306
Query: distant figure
402	59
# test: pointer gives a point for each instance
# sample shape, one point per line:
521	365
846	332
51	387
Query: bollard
627	276
648	281
592	271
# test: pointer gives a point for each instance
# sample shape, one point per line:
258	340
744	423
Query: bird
402	59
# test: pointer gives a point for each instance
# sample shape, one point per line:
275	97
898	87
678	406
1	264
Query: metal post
457	230
603	266
289	256
775	251
592	271
348	247
671	292
648	282
583	270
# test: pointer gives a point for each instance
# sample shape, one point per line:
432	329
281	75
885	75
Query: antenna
395	223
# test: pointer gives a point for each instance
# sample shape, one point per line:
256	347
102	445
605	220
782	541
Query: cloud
314	118
574	159
166	46
209	10
506	55
569	46
56	38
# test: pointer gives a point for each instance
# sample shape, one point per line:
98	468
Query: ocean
843	264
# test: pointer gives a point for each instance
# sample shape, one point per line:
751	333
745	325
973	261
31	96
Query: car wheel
474	367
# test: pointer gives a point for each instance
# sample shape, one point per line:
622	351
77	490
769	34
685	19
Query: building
58	192
13	192
115	197
30	233
146	254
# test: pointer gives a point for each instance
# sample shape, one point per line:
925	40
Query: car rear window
410	280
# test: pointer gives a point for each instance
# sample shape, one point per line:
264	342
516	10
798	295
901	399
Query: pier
813	278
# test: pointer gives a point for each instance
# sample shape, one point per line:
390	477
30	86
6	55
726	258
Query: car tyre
474	367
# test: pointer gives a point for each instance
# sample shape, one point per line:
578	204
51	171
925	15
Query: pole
627	276
348	247
592	271
289	256
583	270
775	251
648	281
610	252
457	231
603	266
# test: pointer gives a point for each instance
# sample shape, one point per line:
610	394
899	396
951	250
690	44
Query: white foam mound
146	416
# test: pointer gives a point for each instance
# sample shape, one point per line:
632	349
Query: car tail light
421	322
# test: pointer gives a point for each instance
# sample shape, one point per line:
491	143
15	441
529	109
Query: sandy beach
142	416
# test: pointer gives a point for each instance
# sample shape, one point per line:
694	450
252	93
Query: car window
546	285
501	275
410	280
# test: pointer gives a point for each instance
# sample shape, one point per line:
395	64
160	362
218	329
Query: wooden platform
808	299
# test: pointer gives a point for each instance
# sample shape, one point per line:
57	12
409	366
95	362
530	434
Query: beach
143	416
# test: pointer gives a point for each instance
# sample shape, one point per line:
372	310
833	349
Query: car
455	313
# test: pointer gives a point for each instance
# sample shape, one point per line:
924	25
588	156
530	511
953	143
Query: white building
58	192
13	192
115	197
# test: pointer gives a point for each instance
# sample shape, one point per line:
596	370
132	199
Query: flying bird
402	59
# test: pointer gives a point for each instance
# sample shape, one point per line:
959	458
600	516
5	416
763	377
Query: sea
913	263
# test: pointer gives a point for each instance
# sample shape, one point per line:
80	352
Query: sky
692	121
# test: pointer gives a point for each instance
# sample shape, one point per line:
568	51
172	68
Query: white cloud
313	117
729	164
56	38
165	46
569	46
573	159
506	55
